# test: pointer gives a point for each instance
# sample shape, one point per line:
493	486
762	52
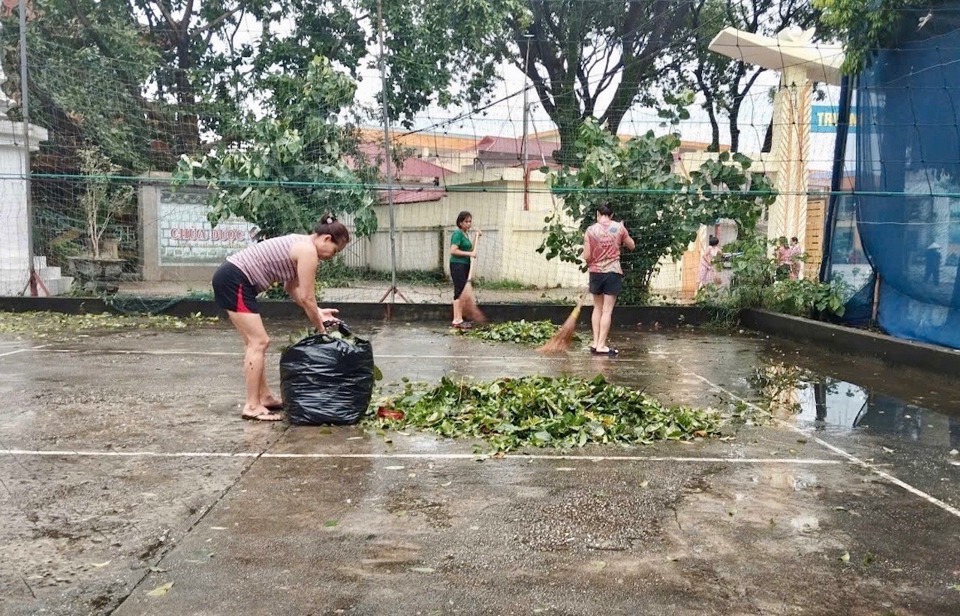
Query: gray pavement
131	486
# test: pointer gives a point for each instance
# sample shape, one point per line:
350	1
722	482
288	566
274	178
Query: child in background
708	263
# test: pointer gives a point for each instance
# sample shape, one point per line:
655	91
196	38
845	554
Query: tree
866	26
85	81
179	76
662	209
444	52
724	82
581	52
292	169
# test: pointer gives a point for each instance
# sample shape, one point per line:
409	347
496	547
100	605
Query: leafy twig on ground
47	324
521	332
540	411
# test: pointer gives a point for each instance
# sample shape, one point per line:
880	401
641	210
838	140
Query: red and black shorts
233	291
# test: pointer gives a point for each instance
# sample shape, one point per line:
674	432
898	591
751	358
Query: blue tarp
907	192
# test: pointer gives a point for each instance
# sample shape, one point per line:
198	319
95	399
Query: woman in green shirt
462	251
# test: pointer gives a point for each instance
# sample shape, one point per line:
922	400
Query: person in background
601	251
708	263
931	264
782	256
462	250
288	259
796	258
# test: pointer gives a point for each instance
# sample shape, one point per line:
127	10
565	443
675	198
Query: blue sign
823	119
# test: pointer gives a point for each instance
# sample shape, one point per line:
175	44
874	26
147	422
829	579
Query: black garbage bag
327	378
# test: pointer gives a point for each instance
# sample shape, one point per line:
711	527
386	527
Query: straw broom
561	341
468	303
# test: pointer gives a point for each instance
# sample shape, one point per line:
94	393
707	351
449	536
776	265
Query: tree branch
219	20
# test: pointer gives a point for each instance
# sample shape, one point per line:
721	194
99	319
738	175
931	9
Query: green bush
754	284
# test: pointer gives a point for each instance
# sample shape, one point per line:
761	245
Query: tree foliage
868	25
723	82
292	166
86	64
581	53
663	209
150	80
444	52
754	284
102	201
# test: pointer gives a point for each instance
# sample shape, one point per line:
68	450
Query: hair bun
329	220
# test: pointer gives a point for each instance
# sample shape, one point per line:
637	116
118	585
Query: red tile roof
406	195
508	145
412	167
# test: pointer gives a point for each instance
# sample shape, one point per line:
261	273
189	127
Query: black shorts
459	273
232	291
609	283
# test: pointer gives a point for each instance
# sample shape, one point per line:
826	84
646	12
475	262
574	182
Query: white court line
8	353
849	456
411	456
376	355
138	352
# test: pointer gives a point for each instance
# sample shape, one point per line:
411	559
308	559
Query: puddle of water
825	402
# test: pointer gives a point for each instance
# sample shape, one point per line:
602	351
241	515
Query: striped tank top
268	261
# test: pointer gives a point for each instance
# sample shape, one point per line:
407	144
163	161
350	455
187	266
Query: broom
468	304
560	342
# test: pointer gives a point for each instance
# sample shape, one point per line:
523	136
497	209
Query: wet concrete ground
131	486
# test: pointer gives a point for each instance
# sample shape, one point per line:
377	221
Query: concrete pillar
14	221
790	153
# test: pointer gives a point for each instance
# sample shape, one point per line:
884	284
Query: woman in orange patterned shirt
601	251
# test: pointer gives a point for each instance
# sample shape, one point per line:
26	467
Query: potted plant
102	202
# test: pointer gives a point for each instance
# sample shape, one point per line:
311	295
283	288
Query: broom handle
476	243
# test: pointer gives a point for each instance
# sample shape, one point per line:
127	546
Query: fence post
25	113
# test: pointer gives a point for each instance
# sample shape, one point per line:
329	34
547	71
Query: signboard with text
185	237
823	119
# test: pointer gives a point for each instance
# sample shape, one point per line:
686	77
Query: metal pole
523	143
25	113
526	89
387	159
836	178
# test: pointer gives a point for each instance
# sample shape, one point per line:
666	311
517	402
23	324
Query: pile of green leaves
540	411
57	325
521	332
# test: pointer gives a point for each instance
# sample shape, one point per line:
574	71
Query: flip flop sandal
262	416
608	352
